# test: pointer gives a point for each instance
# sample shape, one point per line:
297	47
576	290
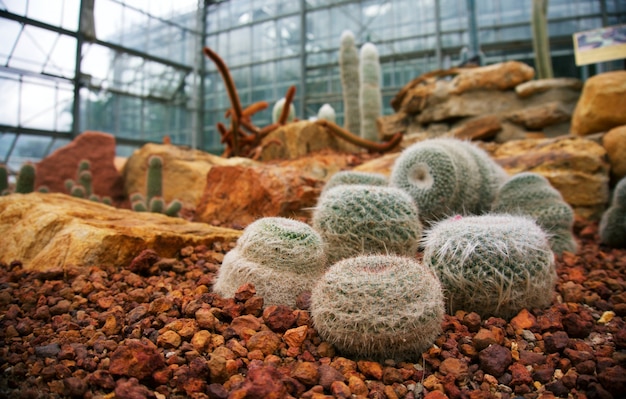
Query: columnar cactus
613	223
345	177
25	179
281	257
4	180
446	177
362	219
83	186
278	109
349	72
327	112
370	99
378	306
532	195
494	265
154	202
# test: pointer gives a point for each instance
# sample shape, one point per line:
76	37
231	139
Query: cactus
361	219
612	227
370	99
349	72
281	257
278	109
4	180
26	179
345	177
494	265
327	112
153	201
541	39
532	195
83	186
378	306
447	176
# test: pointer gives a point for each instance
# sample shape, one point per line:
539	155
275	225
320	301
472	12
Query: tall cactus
349	71
541	39
154	202
370	99
26	179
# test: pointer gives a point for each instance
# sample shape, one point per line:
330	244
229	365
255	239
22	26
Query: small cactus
354	177
83	186
280	256
153	201
349	72
370	98
327	112
362	219
278	109
26	179
532	195
612	227
494	265
378	306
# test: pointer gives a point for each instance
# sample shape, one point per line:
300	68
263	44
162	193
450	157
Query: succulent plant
83	186
378	306
370	98
153	201
278	109
532	195
4	180
327	112
349	72
280	256
364	219
492	264
25	179
612	227
355	177
446	177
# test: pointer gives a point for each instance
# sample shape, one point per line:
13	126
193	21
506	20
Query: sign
599	45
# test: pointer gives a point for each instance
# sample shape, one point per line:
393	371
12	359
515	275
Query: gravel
155	330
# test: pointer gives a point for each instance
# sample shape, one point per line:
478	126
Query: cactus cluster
446	177
494	265
281	257
153	201
612	227
82	187
378	306
25	182
532	195
370	98
349	73
363	219
354	177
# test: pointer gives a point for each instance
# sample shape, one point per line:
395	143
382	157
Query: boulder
533	87
184	171
55	230
501	76
541	116
478	128
96	147
614	142
602	104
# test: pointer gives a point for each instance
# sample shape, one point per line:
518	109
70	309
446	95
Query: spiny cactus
281	257
494	265
370	98
361	219
154	202
83	186
327	112
378	306
278	109
354	177
4	180
447	176
25	179
612	227
349	72
532	195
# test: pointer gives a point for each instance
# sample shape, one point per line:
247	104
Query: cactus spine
370	99
378	306
281	257
361	219
349	73
494	265
345	177
612	227
532	195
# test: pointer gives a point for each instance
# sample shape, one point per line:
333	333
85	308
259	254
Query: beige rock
382	165
602	104
55	230
479	128
533	87
614	142
501	76
540	116
184	171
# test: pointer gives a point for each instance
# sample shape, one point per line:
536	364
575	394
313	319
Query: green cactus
281	257
370	98
278	109
612	226
327	112
153	201
82	187
349	72
4	180
532	195
447	176
345	177
541	39
363	219
154	180
378	306
494	265
26	179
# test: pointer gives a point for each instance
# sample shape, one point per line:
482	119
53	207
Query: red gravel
158	332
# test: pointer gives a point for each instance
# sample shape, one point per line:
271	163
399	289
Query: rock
261	382
479	128
575	166
371	370
541	116
329	374
132	389
602	104
265	341
533	87
184	171
306	372
456	368
47	231
524	321
380	165
495	359
501	76
96	147
136	358
614	142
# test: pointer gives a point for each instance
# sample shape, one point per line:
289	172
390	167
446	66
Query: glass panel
9	31
9	100
62	13
28	148
288	30
33	48
6	142
62	59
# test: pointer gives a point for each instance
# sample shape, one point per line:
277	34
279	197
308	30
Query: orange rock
370	369
294	337
602	104
524	321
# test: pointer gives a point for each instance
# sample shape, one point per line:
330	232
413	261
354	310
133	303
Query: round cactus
360	219
378	306
612	227
25	179
354	177
349	72
327	112
494	265
278	109
532	195
281	257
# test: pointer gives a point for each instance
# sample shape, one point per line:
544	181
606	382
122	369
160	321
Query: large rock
184	171
614	142
602	104
541	116
55	231
96	147
501	76
533	87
